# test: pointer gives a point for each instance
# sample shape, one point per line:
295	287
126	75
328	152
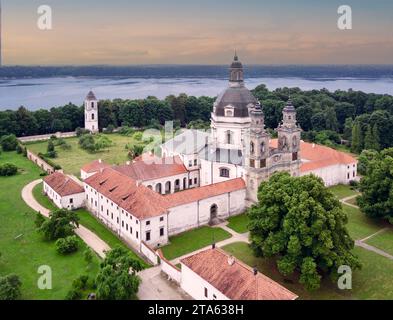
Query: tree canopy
376	185
117	279
301	223
61	224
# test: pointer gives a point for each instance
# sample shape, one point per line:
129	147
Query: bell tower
257	153
289	138
91	113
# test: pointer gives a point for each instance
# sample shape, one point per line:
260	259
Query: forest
353	118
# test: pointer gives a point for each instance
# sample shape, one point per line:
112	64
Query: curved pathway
90	238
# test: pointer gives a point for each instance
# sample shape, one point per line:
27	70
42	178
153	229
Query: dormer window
229	111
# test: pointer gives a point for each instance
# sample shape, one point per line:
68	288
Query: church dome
236	96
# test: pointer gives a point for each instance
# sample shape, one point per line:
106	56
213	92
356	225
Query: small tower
289	138
236	73
257	153
91	113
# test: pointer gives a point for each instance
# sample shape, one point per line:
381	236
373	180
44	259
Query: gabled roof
150	167
234	279
138	200
212	190
315	156
62	184
95	166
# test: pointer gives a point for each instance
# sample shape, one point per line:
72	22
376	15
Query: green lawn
343	191
193	240
22	248
359	225
383	241
88	221
239	223
369	283
72	160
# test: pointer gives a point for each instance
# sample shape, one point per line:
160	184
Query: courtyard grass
193	240
383	241
343	191
88	221
72	160
23	249
239	223
359	225
368	283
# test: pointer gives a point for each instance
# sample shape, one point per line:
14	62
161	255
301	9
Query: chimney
313	145
128	163
213	246
99	161
255	271
231	260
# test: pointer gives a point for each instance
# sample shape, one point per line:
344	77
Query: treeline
360	120
364	121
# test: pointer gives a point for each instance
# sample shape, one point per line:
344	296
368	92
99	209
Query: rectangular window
206	293
252	163
195	162
148	223
130	230
161	219
263	163
137	235
195	180
190	182
190	163
162	232
71	200
148	236
122	224
294	156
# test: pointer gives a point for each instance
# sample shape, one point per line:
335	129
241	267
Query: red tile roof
235	280
62	184
151	167
140	201
95	166
315	156
195	194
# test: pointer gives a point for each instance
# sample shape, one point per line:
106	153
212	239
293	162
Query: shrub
19	149
39	220
81	132
61	224
81	282
88	255
74	294
10	287
9	143
8	169
137	136
87	143
67	245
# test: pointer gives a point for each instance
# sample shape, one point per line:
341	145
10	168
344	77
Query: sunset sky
197	32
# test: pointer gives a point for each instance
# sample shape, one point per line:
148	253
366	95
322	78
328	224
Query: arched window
150	187
224	172
159	188
168	187
229	137
262	147
252	148
177	185
92	116
92	105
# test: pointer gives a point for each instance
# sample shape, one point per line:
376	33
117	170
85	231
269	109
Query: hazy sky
197	32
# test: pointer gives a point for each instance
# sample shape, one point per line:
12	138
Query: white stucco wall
77	199
195	286
210	172
336	174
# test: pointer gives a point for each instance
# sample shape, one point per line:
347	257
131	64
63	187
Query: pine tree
369	139
357	142
377	144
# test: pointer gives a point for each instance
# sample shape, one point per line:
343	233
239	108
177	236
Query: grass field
383	241
359	225
343	191
238	223
371	282
88	221
22	248
193	240
72	160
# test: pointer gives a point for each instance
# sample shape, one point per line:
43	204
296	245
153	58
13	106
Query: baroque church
200	177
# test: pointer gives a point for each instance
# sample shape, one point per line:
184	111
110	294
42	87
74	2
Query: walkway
362	242
90	238
236	237
155	286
